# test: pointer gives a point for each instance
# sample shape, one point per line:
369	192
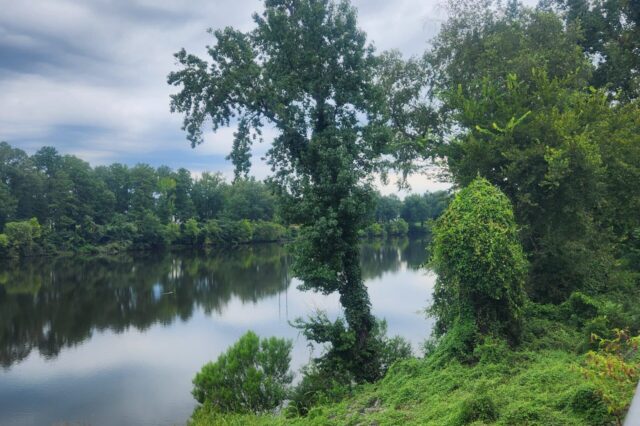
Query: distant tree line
51	202
395	217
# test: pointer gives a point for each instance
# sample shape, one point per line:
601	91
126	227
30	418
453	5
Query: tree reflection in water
50	304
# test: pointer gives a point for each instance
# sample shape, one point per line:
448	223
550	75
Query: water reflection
50	304
117	340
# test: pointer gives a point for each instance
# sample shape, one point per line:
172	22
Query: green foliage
115	208
306	69
268	231
533	387
611	32
335	371
4	244
478	408
480	264
251	376
588	401
191	231
22	235
375	230
316	388
149	231
579	308
388	208
615	370
172	232
515	84
249	199
397	227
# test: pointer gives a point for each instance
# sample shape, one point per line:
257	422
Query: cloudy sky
89	76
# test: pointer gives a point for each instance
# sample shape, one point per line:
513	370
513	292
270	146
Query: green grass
538	383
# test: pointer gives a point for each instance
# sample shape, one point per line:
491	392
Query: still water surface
116	341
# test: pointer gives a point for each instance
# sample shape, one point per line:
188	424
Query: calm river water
116	341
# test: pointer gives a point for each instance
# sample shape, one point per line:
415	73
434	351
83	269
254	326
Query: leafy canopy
306	71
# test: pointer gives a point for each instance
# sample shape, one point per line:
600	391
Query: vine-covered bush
480	264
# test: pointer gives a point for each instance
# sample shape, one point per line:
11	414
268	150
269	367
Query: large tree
611	38
306	70
515	83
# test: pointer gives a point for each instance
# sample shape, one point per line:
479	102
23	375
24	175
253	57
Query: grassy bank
545	380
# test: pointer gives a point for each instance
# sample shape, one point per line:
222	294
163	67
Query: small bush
317	387
391	349
397	227
23	235
588	401
579	308
478	408
374	230
191	231
171	232
251	376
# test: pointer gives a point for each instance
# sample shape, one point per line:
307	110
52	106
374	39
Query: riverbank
28	239
559	374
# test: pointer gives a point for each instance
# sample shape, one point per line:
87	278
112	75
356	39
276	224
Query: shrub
251	376
151	232
397	227
4	245
120	229
588	401
318	387
478	408
392	349
614	369
480	263
268	232
212	232
191	231
235	232
22	235
491	351
374	230
171	232
579	308
331	376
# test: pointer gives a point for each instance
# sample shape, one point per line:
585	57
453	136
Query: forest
54	204
533	115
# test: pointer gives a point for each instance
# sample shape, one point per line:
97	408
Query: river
117	340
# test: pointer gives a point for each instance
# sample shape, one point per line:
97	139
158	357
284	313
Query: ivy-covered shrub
251	376
480	264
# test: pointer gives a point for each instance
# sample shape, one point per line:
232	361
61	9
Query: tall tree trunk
357	308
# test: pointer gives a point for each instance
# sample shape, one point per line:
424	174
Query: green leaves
479	261
306	70
251	376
